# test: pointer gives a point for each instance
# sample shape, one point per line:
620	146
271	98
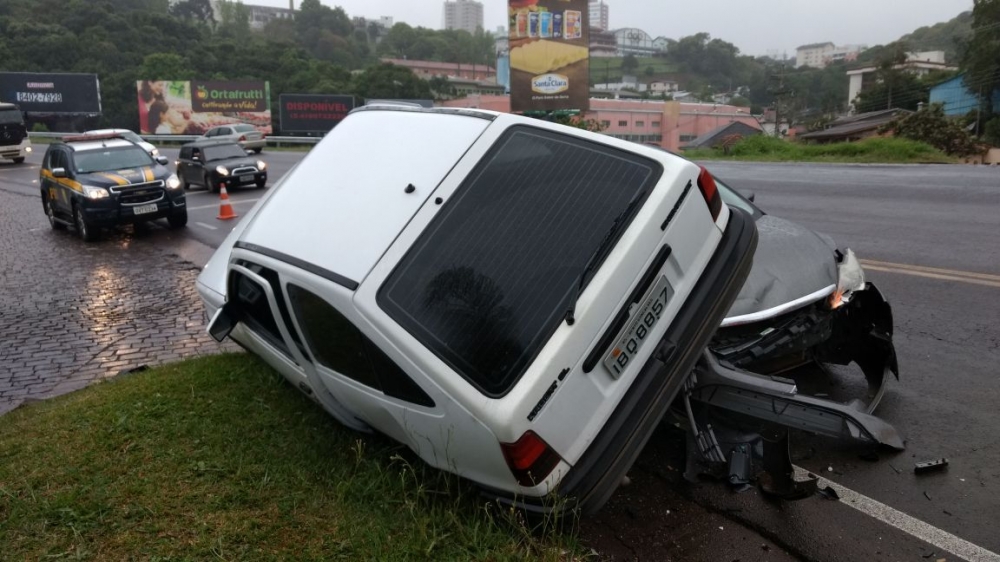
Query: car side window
185	152
338	345
59	160
195	154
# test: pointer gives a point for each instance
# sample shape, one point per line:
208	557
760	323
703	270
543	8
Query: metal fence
181	139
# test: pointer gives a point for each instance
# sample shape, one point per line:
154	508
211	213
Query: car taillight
530	459
243	138
706	184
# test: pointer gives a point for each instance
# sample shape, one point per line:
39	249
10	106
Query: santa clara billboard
549	55
191	107
56	93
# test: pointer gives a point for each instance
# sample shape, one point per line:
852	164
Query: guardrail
181	139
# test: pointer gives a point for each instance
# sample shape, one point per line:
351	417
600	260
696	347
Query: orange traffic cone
225	209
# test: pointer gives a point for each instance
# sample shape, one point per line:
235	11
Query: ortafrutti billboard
191	107
52	93
549	55
312	113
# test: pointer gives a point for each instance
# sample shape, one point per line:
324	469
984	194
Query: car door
184	164
59	190
195	166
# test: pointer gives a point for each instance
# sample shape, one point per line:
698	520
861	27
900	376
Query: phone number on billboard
39	97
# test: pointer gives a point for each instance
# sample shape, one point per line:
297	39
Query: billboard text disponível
182	107
312	113
549	55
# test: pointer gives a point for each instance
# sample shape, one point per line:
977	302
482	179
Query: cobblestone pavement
73	313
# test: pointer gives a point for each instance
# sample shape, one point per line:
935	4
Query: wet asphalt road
947	338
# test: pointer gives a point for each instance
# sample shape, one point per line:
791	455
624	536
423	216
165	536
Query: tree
390	81
630	63
980	58
932	126
893	86
194	10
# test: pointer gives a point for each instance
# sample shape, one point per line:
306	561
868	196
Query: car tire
55	223
18	160
257	150
211	185
178	220
86	231
184	183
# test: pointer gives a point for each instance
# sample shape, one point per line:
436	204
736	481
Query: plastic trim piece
778	310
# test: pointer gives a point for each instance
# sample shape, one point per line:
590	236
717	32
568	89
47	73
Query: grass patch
869	151
217	458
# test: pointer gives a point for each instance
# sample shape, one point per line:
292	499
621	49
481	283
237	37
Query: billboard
312	113
36	92
549	55
183	107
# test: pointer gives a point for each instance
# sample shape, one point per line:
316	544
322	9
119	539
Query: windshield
734	199
10	116
130	136
111	159
224	151
492	277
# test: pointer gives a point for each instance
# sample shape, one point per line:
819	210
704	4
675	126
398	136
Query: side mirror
196	158
162	160
222	323
750	195
58	172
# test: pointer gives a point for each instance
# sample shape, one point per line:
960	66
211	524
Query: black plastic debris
930	466
739	466
133	370
828	493
778	479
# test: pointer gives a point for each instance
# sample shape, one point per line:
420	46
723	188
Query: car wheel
211	185
86	231
18	160
257	150
178	220
55	223
184	184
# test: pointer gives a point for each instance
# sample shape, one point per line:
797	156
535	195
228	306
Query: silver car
130	136
246	135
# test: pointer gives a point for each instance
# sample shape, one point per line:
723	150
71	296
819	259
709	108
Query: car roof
86	145
209	142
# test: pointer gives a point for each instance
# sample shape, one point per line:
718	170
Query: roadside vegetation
868	151
216	458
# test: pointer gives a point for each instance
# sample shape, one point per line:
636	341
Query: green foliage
930	125
875	150
991	131
39	128
392	82
981	56
945	36
218	458
449	45
630	63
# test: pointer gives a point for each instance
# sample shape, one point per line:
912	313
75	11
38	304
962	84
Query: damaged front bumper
858	331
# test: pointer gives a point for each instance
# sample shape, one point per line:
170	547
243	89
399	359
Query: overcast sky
757	27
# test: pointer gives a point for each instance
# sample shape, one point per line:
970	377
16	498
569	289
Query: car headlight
173	182
93	192
27	149
850	278
222	171
261	165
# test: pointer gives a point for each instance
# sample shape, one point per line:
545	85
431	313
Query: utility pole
778	93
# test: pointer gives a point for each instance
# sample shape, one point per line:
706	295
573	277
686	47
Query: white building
463	14
813	54
920	64
598	14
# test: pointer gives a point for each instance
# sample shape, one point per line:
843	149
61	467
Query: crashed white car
516	301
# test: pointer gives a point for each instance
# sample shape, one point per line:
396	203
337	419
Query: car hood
129	176
233	163
793	266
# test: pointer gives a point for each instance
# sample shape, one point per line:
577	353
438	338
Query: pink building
426	69
668	124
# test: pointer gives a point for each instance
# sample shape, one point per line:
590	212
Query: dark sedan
216	164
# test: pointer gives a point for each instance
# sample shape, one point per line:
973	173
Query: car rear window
244	128
493	275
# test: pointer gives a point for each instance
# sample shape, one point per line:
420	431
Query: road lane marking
231	201
909	525
208	226
971	277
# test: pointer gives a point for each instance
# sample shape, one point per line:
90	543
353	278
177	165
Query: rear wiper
601	252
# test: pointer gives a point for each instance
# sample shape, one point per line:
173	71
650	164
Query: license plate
144	209
639	328
246	179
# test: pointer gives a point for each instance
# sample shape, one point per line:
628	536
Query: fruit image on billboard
182	107
549	55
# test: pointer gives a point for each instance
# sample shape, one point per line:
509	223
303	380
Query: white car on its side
516	301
